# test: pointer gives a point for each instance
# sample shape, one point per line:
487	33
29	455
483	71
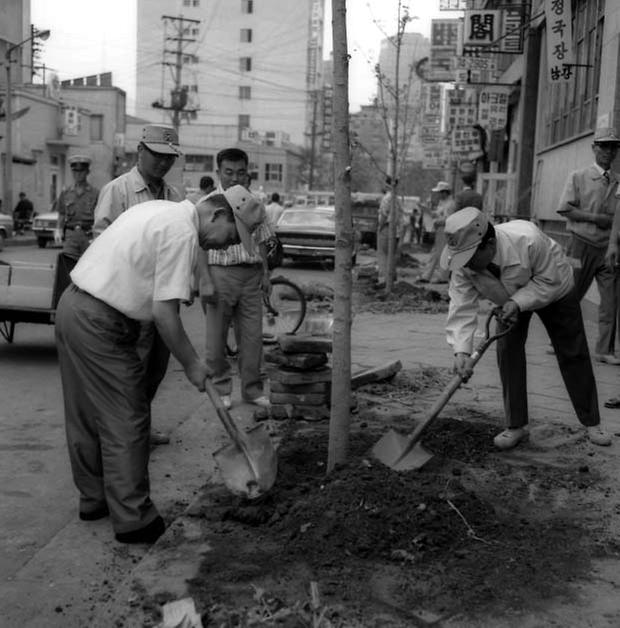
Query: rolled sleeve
110	205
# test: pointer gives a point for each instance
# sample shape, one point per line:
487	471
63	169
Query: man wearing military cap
157	152
76	207
588	203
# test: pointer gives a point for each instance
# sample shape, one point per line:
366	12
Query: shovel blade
389	450
250	470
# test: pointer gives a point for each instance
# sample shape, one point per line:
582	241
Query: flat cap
606	135
79	159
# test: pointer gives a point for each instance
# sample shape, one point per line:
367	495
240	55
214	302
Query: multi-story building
413	48
246	64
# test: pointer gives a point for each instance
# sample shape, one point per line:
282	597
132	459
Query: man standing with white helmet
520	269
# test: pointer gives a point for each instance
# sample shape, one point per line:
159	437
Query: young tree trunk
341	356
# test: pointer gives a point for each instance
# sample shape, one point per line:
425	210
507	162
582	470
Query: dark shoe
148	534
608	358
159	438
95	515
614	402
422	280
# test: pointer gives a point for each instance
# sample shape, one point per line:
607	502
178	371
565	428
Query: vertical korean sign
559	40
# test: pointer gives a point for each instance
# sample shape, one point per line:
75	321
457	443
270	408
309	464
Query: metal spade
249	465
403	452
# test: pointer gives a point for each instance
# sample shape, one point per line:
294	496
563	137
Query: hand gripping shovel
249	465
404	453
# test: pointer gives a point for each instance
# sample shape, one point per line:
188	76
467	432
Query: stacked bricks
300	378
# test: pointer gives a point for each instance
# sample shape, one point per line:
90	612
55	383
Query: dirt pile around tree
466	535
405	297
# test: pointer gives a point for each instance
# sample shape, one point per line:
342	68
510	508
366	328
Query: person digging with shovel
519	268
139	269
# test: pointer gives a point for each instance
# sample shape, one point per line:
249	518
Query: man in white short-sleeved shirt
137	270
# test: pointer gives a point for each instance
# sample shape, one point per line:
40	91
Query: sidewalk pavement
414	339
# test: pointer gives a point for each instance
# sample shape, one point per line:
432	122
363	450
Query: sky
89	37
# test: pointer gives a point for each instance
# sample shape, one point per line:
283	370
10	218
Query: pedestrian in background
139	269
445	207
523	271
274	210
157	151
468	197
588	203
383	230
206	186
76	212
22	214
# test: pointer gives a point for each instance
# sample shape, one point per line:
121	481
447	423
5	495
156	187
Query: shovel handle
455	382
222	413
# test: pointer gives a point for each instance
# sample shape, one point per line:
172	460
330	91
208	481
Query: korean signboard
475	69
462	107
459	5
493	108
444	42
559	40
431	98
495	30
465	141
435	157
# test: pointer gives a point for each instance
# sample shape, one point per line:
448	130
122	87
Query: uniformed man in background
76	209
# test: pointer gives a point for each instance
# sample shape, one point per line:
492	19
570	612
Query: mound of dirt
405	297
457	536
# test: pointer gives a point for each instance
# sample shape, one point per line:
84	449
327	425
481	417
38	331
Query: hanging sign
493	108
559	40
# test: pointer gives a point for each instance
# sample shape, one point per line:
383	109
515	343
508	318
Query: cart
29	293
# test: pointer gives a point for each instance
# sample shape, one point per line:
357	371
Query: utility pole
178	94
313	140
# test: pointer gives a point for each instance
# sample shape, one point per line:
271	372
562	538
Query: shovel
249	465
404	453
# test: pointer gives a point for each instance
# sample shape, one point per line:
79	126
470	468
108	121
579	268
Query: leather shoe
95	515
608	358
598	436
159	438
147	534
510	438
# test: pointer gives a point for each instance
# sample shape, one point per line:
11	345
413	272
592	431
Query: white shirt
147	254
274	211
534	273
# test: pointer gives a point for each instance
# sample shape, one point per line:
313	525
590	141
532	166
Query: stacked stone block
300	377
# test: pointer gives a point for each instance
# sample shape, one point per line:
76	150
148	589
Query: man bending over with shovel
139	269
520	269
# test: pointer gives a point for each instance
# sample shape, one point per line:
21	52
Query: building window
571	106
273	172
198	163
195	31
245	64
244	121
247	6
245	92
96	128
186	3
196	3
246	35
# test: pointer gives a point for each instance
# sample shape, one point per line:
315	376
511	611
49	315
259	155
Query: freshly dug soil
405	297
467	534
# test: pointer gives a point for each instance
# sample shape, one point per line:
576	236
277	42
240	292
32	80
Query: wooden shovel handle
222	413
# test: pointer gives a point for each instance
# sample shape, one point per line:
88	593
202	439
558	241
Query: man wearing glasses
157	151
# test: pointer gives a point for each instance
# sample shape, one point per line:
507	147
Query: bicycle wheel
285	310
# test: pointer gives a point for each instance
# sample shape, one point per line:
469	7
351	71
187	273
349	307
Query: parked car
44	226
6	228
309	233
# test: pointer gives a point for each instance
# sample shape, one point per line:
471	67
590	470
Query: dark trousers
564	324
593	267
107	408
